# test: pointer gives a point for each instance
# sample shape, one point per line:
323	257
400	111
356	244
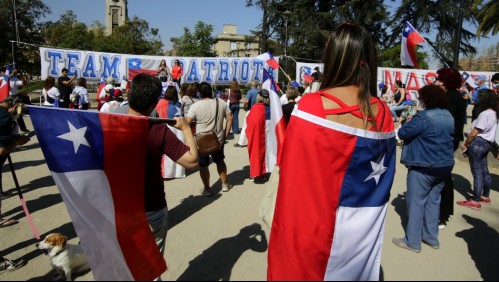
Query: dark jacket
457	108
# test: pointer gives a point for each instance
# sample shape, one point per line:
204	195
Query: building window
115	18
233	46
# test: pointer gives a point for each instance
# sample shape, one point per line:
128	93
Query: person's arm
19	140
473	134
69	82
190	158
412	128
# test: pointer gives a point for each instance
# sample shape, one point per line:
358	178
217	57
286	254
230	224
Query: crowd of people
343	113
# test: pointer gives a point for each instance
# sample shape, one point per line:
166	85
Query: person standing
16	80
257	124
291	94
81	90
329	214
480	83
143	97
428	154
204	114
450	80
50	93
163	71
8	142
65	87
477	146
177	72
234	99
248	103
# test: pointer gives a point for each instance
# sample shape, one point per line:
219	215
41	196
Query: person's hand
182	123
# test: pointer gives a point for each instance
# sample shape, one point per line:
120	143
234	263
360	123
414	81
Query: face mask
476	83
495	85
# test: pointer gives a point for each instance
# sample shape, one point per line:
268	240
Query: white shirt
487	125
15	82
52	93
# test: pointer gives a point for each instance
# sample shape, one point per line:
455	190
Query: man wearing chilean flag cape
336	170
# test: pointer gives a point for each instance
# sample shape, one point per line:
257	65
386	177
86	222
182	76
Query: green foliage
195	44
28	30
487	16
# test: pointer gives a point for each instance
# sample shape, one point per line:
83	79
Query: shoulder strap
216	114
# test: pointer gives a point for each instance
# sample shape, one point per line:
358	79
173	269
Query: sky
170	17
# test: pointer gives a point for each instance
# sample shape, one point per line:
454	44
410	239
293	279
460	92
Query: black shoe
25	130
239	146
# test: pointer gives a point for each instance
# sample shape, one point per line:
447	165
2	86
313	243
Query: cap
295	84
110	80
381	85
481	77
408	103
264	93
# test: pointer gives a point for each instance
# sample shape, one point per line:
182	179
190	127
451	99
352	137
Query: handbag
207	142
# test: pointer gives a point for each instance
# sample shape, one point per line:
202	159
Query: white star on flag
134	63
77	136
378	170
179	112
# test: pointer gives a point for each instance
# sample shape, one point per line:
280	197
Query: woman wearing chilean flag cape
332	198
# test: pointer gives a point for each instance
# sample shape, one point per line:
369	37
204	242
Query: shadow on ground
188	207
483	247
216	262
399	203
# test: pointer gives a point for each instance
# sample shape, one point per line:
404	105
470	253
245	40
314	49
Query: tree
439	16
25	28
134	37
197	44
487	16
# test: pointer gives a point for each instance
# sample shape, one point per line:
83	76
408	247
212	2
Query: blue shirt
251	96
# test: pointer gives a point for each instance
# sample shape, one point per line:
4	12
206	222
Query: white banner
94	65
414	79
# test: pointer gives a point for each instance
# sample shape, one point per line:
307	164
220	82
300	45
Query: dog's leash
23	202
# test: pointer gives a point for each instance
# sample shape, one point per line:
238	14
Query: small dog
65	258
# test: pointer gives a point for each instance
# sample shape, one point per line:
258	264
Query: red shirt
161	141
176	72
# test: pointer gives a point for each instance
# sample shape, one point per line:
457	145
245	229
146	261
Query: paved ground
223	238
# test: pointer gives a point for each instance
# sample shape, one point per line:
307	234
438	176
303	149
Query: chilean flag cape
256	132
332	197
5	85
275	138
410	38
169	168
97	161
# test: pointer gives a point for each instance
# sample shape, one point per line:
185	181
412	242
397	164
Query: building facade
231	44
116	14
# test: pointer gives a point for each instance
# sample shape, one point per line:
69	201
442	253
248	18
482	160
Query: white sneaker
441	226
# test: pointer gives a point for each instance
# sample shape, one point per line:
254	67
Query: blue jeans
478	150
234	108
423	207
393	109
158	222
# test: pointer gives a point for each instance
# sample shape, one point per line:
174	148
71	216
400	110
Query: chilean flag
88	155
137	65
5	86
169	168
277	122
332	197
256	132
307	74
410	38
269	59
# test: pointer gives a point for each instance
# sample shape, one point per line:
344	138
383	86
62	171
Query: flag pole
23	202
